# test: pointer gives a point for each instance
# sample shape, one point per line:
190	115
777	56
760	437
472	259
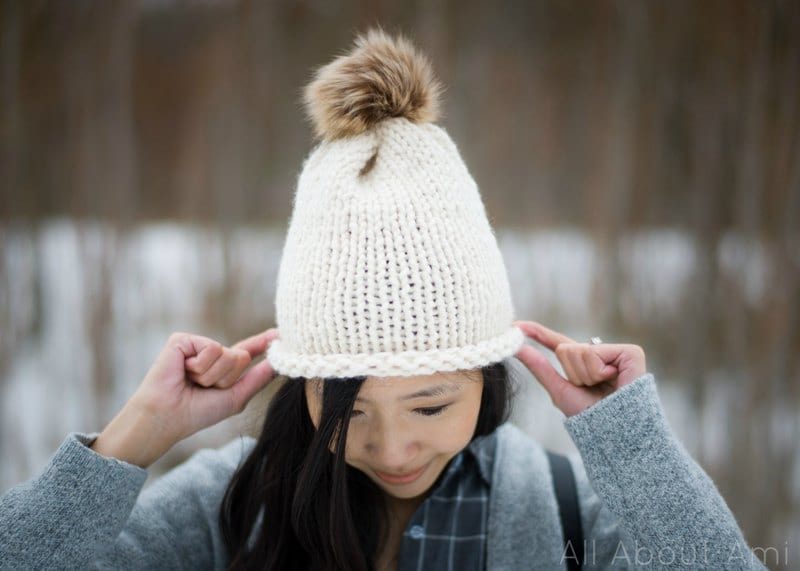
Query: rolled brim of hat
292	363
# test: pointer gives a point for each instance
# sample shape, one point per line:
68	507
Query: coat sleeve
86	511
644	500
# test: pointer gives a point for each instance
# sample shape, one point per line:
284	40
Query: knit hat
390	266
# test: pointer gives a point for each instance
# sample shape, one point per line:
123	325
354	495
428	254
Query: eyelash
429	411
433	411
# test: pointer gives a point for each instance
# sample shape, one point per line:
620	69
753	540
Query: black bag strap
567	497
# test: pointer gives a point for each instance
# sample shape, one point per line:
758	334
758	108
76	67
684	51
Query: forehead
396	387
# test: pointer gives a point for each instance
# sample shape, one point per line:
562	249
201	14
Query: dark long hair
294	504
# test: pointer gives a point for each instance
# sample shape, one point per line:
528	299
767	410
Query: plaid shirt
448	530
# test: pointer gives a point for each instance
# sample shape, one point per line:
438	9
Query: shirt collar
479	452
482	451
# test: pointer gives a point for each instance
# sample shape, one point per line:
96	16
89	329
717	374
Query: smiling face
404	430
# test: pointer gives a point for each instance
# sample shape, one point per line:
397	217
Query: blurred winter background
640	161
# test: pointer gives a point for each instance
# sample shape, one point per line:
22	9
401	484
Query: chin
408	494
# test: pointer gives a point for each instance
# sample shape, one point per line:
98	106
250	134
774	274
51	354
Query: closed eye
428	411
433	411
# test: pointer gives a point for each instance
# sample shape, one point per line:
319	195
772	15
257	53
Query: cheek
454	431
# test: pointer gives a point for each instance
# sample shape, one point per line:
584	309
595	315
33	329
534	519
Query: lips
403	478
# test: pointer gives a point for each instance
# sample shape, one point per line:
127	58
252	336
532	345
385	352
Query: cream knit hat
390	266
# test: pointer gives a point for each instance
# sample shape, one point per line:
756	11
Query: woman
387	446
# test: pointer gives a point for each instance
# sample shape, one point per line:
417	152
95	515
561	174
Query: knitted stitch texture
390	266
393	273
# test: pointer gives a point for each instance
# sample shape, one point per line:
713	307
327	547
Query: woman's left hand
593	371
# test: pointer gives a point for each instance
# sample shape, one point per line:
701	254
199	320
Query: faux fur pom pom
380	77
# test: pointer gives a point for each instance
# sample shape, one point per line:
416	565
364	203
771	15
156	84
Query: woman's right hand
194	383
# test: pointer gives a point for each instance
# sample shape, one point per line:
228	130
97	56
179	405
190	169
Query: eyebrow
434	391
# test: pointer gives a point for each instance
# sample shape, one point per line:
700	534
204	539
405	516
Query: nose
392	449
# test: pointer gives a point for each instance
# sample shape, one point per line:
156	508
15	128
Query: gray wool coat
645	503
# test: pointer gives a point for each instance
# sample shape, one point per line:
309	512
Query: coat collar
524	525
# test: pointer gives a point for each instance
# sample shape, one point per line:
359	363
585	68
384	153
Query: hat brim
389	364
